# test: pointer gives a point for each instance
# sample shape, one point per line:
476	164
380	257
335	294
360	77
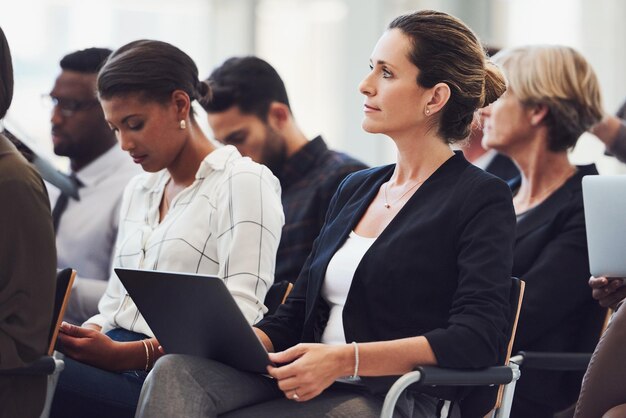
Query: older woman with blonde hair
552	97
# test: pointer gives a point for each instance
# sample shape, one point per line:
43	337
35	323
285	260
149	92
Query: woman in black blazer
552	97
412	266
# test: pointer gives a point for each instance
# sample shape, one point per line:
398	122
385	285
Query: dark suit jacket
440	269
503	167
558	312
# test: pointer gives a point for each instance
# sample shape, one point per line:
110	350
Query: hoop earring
182	124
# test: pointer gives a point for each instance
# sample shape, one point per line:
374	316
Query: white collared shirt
227	223
88	227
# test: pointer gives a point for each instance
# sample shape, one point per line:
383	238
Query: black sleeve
476	332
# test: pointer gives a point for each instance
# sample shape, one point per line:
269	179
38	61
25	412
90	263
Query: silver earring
182	124
427	111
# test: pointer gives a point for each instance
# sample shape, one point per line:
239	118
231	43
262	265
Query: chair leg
396	390
507	397
52	384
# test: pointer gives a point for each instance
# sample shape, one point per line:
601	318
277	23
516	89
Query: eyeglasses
67	107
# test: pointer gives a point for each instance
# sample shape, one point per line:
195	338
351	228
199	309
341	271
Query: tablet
195	315
604	199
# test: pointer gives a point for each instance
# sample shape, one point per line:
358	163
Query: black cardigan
558	313
440	269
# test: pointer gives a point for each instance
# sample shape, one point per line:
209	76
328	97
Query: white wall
320	47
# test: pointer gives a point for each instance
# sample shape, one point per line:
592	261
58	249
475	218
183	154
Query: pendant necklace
388	205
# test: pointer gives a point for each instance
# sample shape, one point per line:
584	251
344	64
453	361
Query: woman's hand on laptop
609	292
311	368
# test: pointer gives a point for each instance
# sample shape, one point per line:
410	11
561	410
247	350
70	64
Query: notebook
195	315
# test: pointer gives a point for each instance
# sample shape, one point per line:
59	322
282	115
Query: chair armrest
437	376
555	361
43	366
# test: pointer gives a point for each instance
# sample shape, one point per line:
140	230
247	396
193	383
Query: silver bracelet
356	360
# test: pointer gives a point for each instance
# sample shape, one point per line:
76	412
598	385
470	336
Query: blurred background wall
320	47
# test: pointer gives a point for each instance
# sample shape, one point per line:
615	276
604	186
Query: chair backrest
515	300
65	280
276	295
486	398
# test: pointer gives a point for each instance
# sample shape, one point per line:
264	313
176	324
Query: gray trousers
186	386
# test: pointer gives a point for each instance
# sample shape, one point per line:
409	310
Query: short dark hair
445	50
88	60
6	75
249	83
152	69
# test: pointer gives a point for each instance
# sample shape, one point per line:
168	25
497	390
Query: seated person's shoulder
15	171
477	190
244	171
243	165
141	180
366	177
475	180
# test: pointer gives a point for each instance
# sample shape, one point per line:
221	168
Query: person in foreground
412	266
552	97
198	209
603	393
27	267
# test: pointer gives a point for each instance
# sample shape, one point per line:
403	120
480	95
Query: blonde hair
560	78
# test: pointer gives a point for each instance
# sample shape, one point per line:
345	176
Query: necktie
61	203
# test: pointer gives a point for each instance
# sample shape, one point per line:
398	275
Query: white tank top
337	283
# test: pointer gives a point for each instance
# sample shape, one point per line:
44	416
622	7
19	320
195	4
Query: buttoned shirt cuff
99	320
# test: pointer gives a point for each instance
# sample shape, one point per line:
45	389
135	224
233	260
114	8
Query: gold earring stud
182	124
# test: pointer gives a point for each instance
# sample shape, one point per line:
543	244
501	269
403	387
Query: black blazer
440	269
558	312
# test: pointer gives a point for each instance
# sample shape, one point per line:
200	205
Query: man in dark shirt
250	110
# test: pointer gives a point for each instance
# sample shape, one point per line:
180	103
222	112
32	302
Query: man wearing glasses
86	227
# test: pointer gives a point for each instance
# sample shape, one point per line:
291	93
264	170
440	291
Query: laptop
604	200
195	315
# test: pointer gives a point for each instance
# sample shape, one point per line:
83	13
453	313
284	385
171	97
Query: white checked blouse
227	223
